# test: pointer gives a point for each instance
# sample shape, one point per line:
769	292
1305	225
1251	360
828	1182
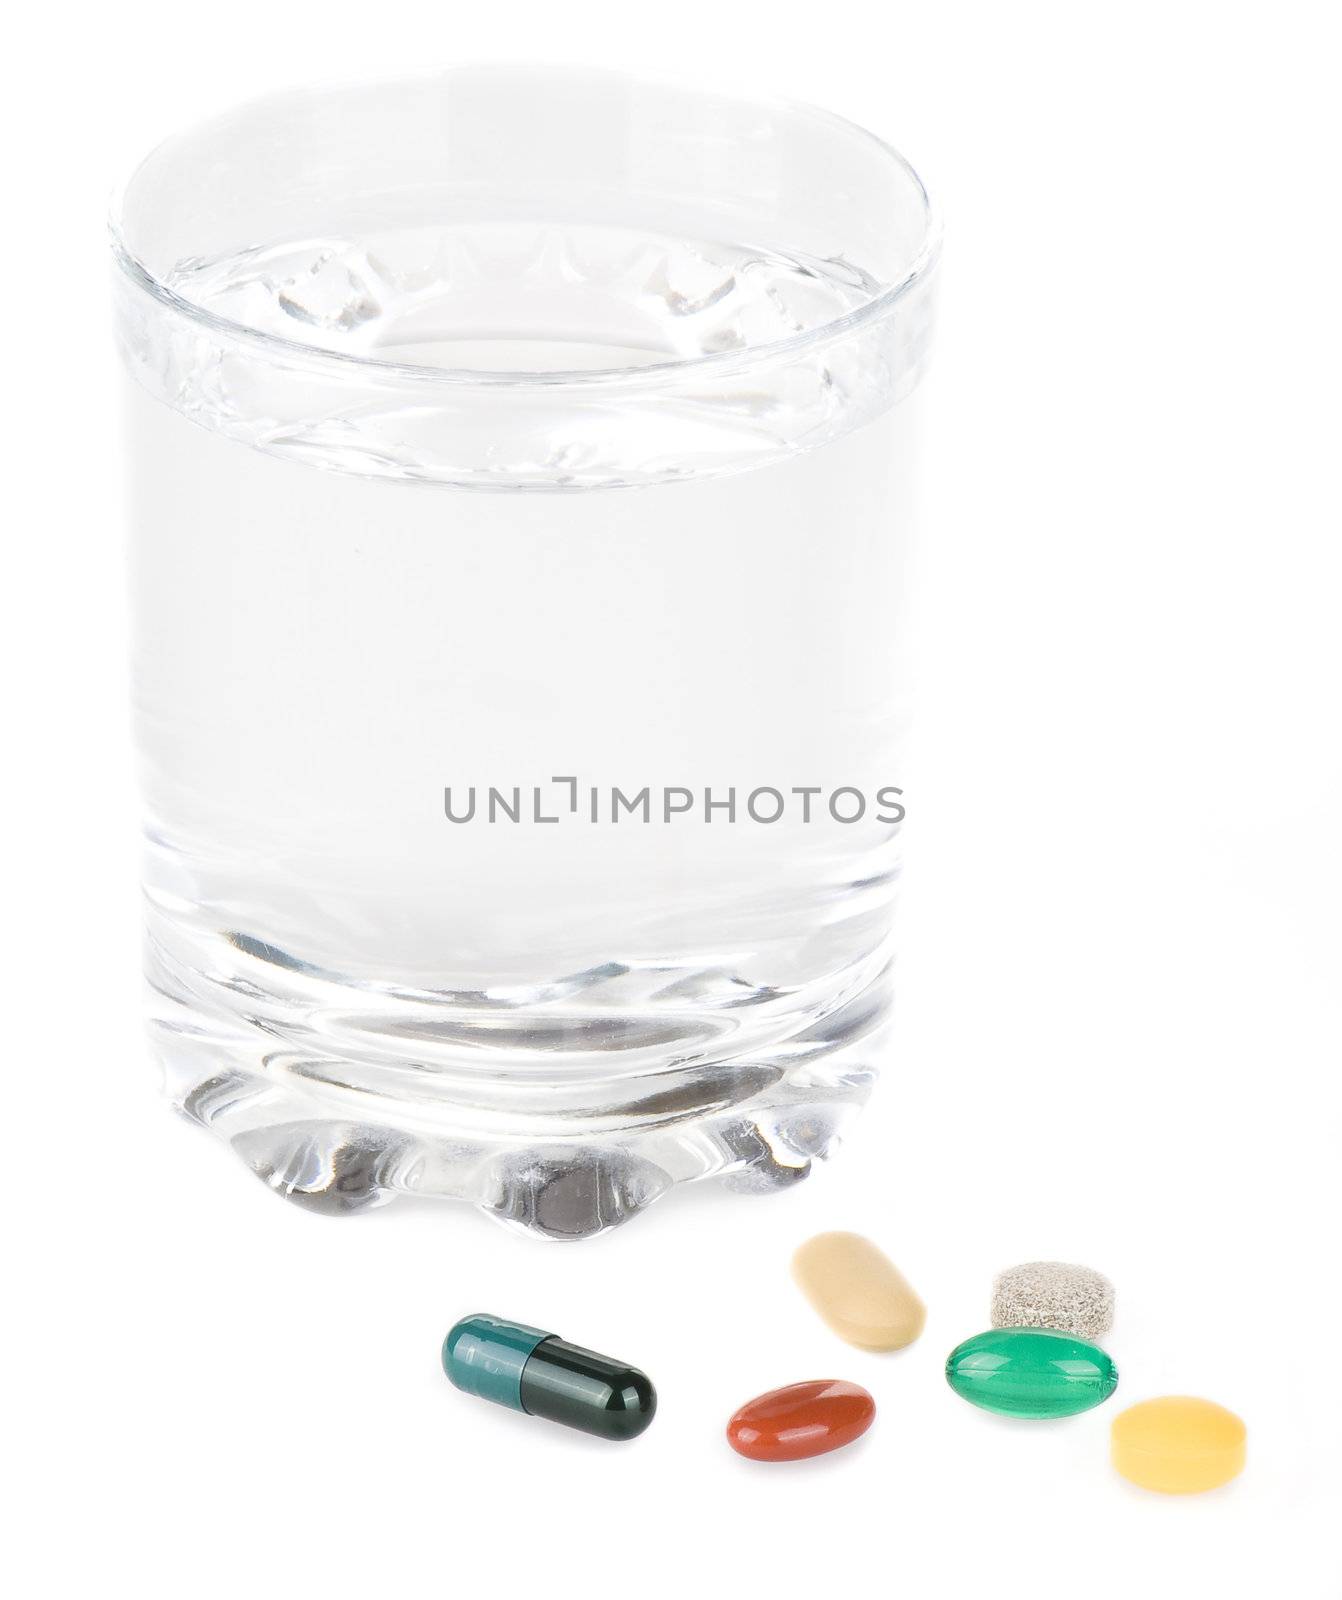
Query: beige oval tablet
860	1292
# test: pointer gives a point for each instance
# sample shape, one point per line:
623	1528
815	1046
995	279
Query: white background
1118	1030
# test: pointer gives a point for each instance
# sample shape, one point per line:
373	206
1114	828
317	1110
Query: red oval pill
805	1419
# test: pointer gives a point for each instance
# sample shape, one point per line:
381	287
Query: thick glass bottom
563	1109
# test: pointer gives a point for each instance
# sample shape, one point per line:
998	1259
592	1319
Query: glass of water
519	478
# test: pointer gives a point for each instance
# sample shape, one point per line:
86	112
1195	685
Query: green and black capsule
533	1371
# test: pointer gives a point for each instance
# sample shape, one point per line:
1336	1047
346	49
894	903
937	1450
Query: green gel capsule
527	1369
1031	1372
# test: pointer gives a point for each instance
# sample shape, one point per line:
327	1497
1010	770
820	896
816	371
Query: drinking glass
519	467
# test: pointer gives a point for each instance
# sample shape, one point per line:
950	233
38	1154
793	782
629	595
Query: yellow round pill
1177	1444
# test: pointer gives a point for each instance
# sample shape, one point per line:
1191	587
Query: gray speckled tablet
1054	1294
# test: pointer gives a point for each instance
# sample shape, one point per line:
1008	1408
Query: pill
858	1291
1054	1294
533	1371
804	1419
1031	1372
1177	1444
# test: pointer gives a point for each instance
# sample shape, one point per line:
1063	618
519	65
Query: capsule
803	1420
1031	1372
536	1372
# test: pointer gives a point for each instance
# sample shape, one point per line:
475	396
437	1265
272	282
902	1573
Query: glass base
562	1111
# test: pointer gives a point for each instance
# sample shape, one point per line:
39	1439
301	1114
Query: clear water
554	1019
508	297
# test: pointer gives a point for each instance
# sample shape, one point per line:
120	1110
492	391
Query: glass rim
808	340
